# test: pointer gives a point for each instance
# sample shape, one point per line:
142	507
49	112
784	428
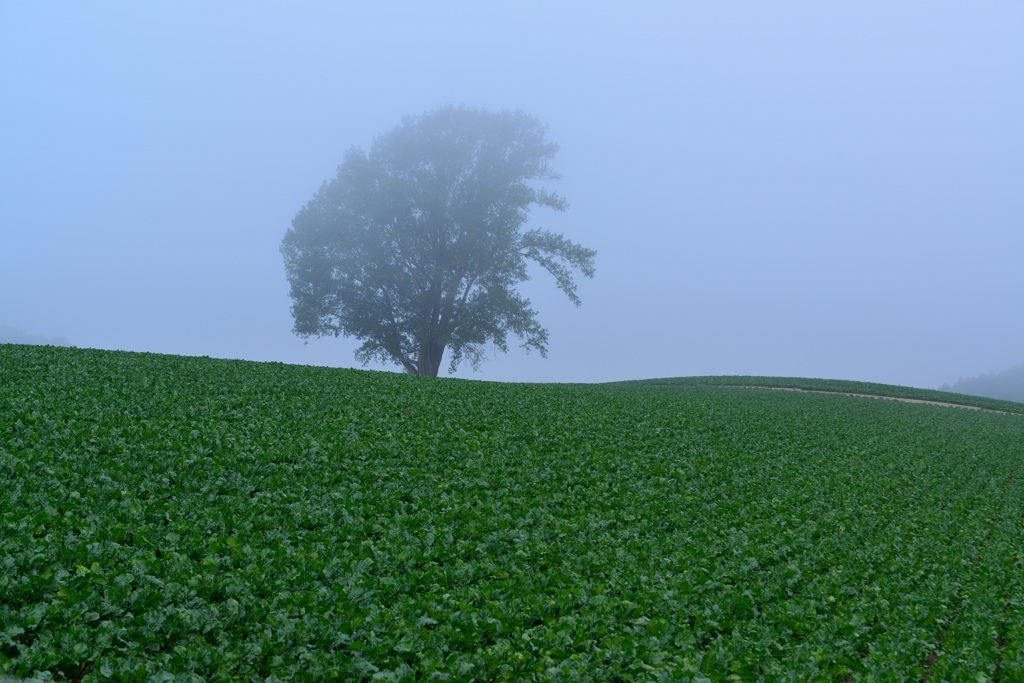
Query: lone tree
418	246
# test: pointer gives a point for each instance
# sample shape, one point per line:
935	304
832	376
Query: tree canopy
418	247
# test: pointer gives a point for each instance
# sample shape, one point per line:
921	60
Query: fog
792	188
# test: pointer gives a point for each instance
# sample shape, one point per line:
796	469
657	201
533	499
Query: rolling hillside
175	518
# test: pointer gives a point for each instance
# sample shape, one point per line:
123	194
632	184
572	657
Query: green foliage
416	248
1007	385
171	518
838	386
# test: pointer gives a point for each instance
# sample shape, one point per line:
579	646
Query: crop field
167	518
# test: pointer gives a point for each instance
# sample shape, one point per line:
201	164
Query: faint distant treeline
12	335
1007	385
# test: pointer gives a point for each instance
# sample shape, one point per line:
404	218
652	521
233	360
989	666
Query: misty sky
787	188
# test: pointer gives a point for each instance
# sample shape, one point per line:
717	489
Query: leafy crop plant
170	518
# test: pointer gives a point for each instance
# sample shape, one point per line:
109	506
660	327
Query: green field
171	518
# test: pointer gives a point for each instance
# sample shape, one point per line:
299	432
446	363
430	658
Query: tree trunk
429	362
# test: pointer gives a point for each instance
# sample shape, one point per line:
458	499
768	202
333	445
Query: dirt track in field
884	398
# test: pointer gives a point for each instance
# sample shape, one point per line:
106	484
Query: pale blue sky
793	188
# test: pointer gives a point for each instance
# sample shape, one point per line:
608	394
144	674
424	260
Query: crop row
837	386
170	518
